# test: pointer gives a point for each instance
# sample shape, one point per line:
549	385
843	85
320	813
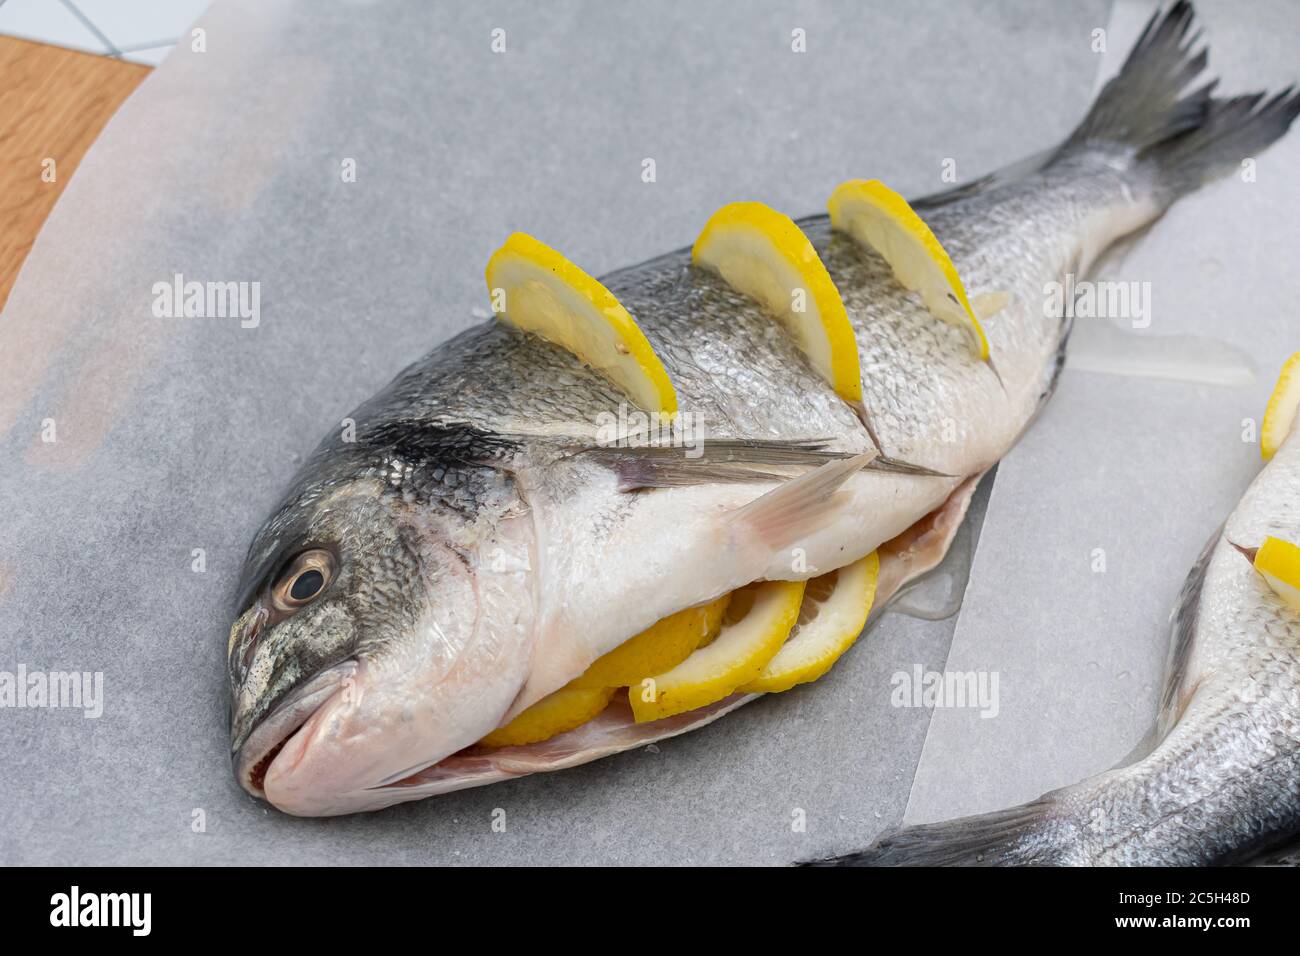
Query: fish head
384	622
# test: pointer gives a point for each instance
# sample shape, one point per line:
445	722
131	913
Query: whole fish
480	540
1219	776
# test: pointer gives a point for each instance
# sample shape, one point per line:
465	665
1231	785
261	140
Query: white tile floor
142	31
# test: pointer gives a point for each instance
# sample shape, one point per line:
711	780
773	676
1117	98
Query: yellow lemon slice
878	217
535	288
563	710
658	648
756	625
1278	562
834	611
764	255
1279	416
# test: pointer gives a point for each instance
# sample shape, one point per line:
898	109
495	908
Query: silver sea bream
481	541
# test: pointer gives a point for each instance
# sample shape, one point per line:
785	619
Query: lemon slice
537	289
563	710
757	623
1278	562
658	648
764	255
834	611
877	216
1279	416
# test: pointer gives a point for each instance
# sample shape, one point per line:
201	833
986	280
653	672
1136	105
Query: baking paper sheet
1100	512
122	540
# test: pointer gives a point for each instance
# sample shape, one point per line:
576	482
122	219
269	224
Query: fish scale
732	366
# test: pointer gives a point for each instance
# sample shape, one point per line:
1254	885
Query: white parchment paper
122	538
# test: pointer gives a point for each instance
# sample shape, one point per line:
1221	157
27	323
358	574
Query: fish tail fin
1186	139
1031	834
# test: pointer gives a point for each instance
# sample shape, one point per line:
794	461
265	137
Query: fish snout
257	742
281	672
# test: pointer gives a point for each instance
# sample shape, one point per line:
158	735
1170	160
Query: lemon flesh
567	708
538	290
834	611
761	253
756	625
658	648
1278	562
1279	415
878	217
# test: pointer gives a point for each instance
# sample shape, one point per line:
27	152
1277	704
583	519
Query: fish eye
303	580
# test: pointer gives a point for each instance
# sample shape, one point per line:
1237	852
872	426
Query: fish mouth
253	758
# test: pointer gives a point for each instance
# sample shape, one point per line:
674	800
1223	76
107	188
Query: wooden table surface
53	103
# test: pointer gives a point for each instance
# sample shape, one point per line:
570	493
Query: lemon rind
735	657
874	193
621	666
535	724
540	263
806	657
1280	413
1278	563
757	221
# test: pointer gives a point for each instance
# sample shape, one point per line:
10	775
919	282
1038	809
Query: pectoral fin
788	513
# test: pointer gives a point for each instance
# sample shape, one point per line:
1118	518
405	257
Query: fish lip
276	729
